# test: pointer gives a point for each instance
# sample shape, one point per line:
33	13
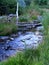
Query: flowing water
9	45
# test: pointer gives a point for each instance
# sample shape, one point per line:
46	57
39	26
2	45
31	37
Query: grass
45	47
39	56
24	58
6	28
27	18
23	18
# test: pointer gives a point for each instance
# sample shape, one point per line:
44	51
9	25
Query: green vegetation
41	2
8	7
23	19
6	28
27	57
39	56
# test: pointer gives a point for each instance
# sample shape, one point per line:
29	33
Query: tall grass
27	57
45	47
7	28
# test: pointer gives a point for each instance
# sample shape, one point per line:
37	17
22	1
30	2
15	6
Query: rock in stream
10	45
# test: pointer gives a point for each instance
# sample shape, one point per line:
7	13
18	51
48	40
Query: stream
10	45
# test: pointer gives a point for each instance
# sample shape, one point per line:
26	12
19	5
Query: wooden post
17	14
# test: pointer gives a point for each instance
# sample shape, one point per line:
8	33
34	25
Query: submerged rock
2	40
14	35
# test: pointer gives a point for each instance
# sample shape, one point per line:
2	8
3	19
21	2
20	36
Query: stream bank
9	45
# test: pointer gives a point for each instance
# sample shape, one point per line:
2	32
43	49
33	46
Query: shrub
41	2
34	17
6	28
23	19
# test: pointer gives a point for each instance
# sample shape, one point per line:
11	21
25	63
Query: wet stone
7	47
4	37
2	41
14	35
